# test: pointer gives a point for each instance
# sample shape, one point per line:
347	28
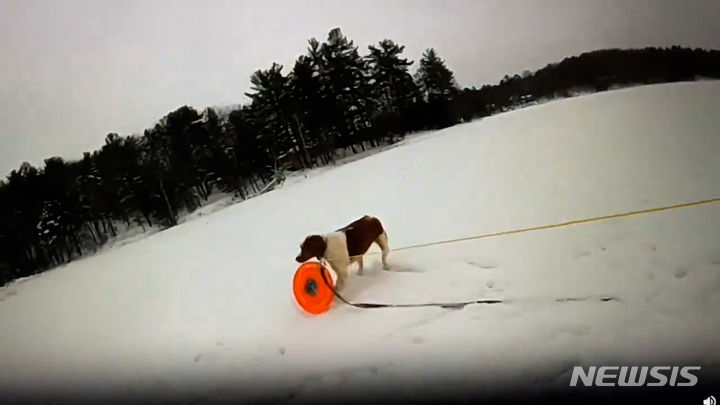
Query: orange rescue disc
310	289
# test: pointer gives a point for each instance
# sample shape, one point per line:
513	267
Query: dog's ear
313	246
316	246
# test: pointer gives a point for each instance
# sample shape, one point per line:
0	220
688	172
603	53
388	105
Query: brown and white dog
345	246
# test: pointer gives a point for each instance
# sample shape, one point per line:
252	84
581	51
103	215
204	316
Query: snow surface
205	309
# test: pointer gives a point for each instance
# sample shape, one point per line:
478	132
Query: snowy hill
204	310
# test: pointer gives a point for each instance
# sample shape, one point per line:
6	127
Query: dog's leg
360	265
382	241
342	275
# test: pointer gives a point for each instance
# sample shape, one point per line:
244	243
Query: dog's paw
386	267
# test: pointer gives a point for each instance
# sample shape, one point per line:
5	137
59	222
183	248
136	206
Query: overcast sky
75	70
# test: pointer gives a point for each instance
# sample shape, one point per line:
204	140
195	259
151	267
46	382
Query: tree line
332	101
592	72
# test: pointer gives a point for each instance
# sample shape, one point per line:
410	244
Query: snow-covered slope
205	309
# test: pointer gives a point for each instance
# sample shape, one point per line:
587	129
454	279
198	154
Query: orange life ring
310	288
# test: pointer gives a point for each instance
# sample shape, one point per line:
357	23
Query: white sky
74	70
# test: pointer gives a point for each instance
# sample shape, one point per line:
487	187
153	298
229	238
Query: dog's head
312	246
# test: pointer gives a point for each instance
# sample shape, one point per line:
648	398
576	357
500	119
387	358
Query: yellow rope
575	222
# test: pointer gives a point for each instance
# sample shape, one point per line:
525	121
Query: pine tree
393	85
396	93
250	160
212	152
344	78
437	83
60	220
435	79
273	104
311	105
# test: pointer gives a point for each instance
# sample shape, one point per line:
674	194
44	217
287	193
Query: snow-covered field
205	310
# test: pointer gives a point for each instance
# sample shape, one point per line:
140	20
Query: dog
345	246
